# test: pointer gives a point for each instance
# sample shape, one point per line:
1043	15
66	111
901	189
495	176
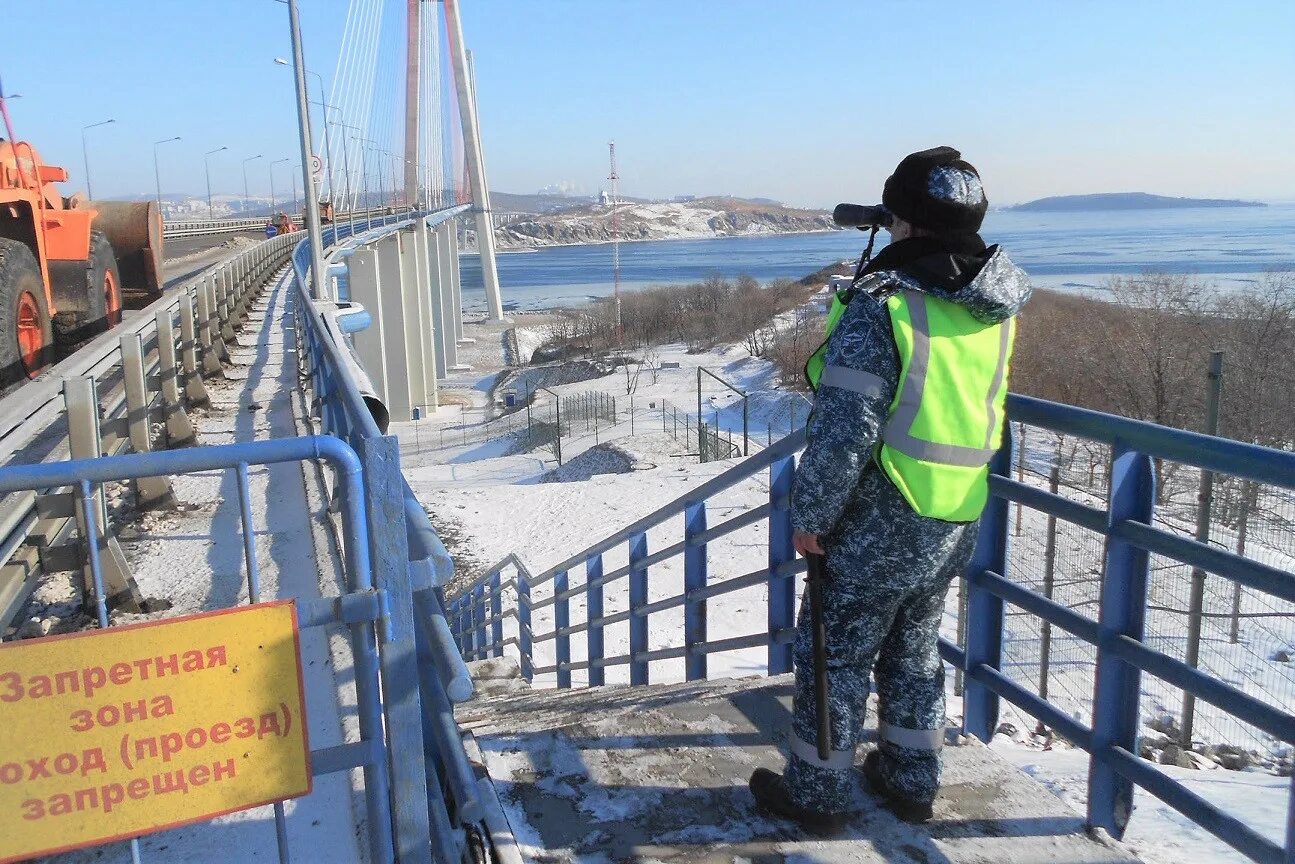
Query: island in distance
1126	201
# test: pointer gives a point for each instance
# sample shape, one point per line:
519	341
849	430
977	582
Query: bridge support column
460	63
456	291
415	325
436	288
365	283
449	281
399	372
422	290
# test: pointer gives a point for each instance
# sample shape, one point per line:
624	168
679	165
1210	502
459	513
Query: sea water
1229	247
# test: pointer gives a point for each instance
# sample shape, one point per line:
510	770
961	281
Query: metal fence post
402	706
594	611
694	579
985	613
479	621
150	491
524	625
84	443
225	306
194	390
1122	613
179	431
496	615
561	621
1205	501
782	590
1049	570
638	577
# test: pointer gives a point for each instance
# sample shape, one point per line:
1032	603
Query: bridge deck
659	774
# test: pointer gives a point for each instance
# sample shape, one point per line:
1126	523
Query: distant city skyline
805	103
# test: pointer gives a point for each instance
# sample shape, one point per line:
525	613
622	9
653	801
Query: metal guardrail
1126	523
362	608
411	563
203	227
32	419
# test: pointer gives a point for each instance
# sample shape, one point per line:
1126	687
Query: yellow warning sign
114	733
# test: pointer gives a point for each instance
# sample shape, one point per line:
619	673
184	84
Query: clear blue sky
809	102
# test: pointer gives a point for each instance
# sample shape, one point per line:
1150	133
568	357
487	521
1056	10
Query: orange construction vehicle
66	264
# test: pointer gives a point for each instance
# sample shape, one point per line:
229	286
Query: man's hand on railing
806	543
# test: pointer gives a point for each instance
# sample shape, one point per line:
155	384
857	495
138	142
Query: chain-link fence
583	413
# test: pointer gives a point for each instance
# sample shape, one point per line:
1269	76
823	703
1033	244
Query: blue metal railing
1117	632
410	563
361	608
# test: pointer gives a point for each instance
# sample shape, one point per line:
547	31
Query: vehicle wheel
103	298
105	280
26	336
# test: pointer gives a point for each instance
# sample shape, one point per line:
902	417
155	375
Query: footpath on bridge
192	556
659	774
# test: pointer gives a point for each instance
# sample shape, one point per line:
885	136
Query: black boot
770	791
912	812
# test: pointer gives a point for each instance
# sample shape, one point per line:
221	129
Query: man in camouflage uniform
888	568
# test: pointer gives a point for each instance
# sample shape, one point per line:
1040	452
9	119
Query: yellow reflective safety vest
946	420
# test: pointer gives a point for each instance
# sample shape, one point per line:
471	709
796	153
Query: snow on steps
659	774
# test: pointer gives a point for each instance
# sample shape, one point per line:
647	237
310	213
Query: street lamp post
293	174
85	150
317	279
382	180
323	109
350	209
157	175
364	173
245	161
206	164
272	164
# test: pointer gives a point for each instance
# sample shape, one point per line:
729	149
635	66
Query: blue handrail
440	675
1127	523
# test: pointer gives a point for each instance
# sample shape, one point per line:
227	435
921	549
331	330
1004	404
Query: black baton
815	583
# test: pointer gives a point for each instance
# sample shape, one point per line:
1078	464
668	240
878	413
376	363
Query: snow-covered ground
488	497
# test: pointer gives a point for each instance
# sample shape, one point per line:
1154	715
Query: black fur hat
937	190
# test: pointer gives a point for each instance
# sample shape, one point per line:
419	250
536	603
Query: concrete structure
659	774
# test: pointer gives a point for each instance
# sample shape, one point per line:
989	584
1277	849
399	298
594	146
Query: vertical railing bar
594	610
497	614
1117	687
562	619
638	578
523	590
87	505
985	610
694	577
782	592
249	539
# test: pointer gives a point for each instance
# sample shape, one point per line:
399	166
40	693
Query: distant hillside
703	217
1126	201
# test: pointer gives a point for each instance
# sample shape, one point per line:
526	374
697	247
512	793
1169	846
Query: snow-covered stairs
659	773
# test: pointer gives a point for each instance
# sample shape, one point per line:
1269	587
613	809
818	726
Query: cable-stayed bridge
242	441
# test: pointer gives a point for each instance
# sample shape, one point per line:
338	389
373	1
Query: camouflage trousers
883	601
